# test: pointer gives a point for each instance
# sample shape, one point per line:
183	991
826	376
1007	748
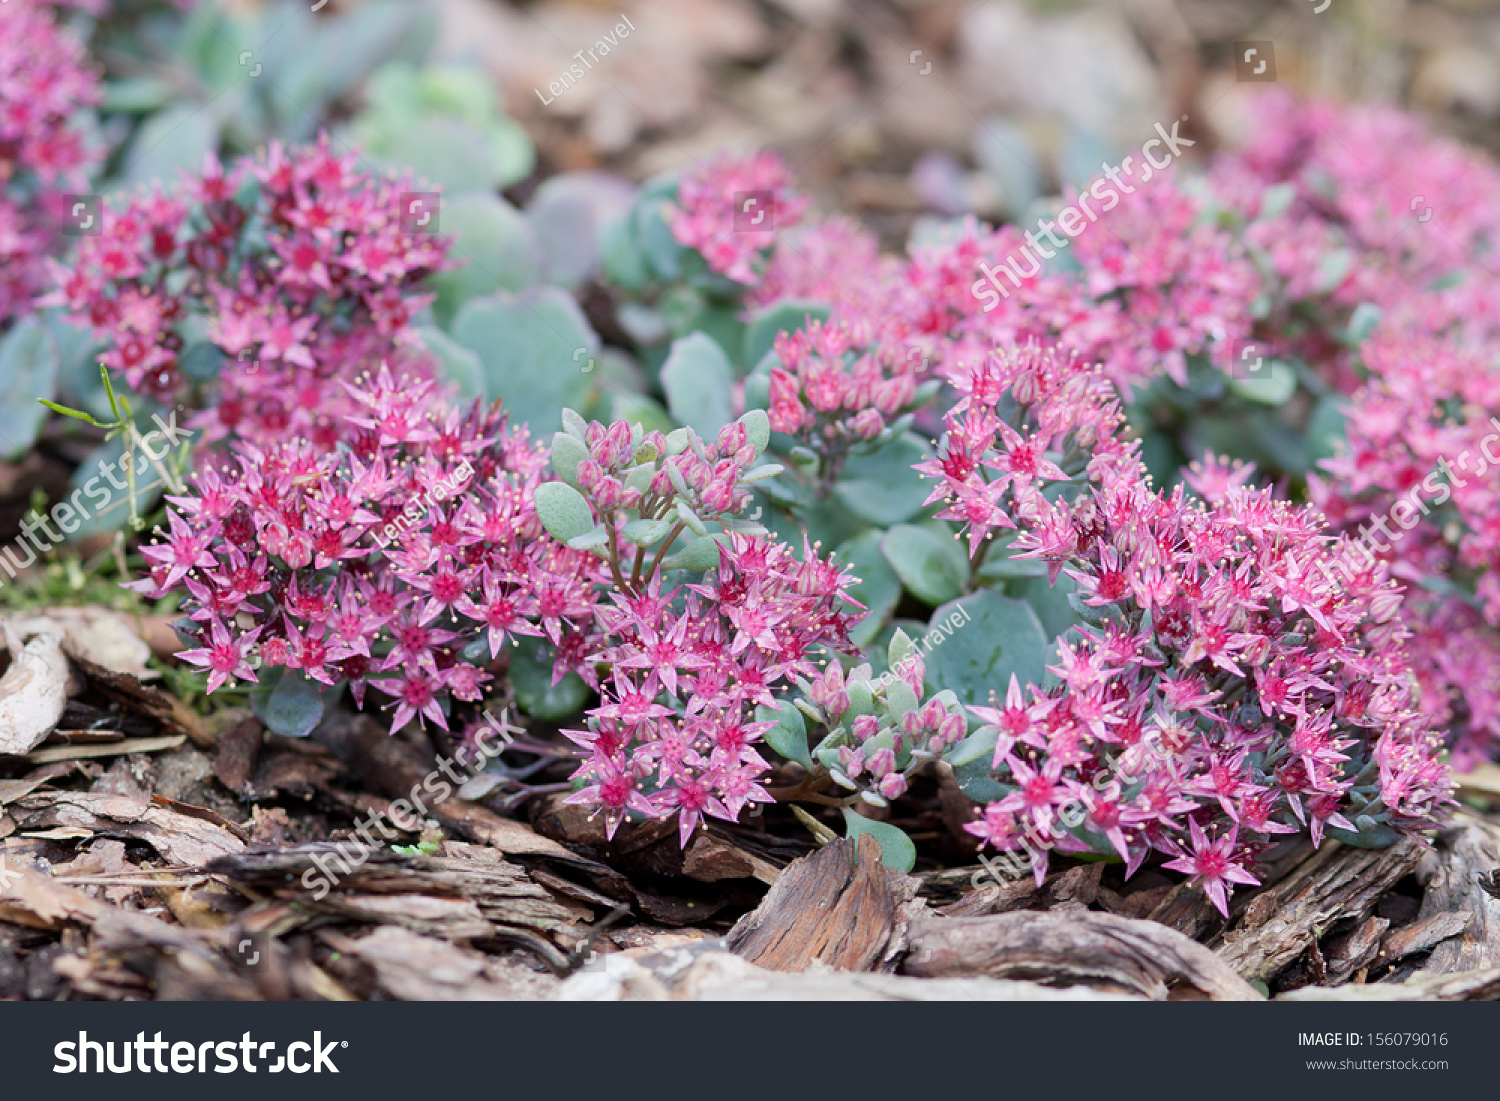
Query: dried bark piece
722	976
94	633
234	762
709	859
502	893
838	906
449	918
412	967
1355	949
1337	882
1454	986
1424	933
33	692
1140	957
1186	911
180	838
115	748
170	713
1454	876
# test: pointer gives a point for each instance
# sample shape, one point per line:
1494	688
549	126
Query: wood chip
722	976
1140	957
234	762
1453	875
1423	934
1355	949
33	692
838	907
93	633
412	967
1456	986
179	838
109	749
1336	883
501	892
170	713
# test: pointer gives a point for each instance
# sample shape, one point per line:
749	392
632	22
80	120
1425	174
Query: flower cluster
731	209
287	276
687	661
880	733
831	396
1359	208
45	81
405	560
1242	689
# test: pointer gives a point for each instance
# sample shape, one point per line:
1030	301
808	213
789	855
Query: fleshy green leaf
882	487
933	567
535	348
28	372
568	212
563	511
757	429
1273	387
458	364
789	736
699	383
897	851
567	453
294	705
700	554
989	637
878	589
494	245
531	664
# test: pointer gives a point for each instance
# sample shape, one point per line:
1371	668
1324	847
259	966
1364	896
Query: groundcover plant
1159	532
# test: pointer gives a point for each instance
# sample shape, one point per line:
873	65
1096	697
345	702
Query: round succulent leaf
563	510
1000	636
897	851
932	566
789	736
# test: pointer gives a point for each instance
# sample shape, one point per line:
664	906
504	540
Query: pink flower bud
882	762
589	473
866	727
866	425
893	785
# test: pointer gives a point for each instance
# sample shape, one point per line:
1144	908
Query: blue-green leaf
294	705
495	246
699	383
532	661
789	736
562	510
28	372
934	567
882	487
998	636
897	851
535	348
878	589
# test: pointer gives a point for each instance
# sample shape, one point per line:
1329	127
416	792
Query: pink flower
1213	864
